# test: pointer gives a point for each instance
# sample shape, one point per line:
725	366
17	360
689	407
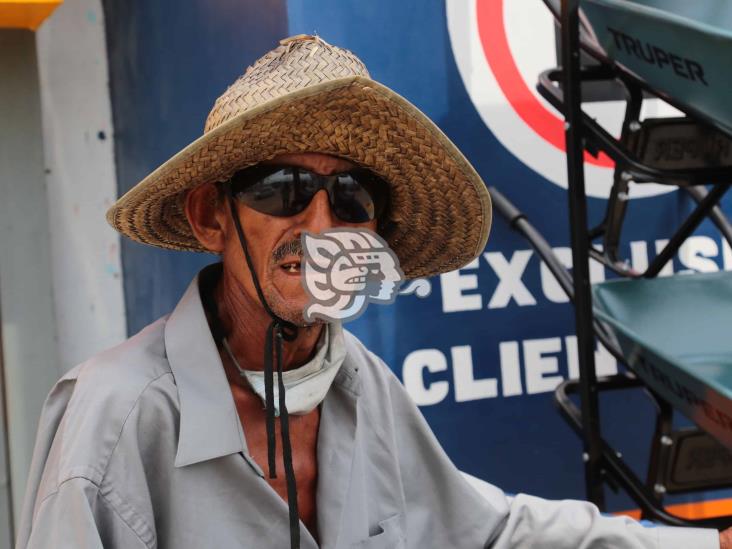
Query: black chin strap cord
278	330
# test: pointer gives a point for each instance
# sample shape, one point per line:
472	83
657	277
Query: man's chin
296	317
290	308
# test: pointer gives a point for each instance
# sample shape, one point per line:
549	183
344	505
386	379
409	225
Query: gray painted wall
26	302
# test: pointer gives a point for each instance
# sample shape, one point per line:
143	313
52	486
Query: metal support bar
598	137
616	468
717	216
687	227
580	258
661	433
707	206
617	203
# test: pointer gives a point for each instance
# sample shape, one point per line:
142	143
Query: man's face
274	242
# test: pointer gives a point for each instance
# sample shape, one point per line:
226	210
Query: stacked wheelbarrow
674	333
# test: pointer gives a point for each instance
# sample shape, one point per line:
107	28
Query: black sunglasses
355	196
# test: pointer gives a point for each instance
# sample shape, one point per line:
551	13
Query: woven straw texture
307	95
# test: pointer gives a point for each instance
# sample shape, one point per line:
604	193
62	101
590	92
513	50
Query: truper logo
346	269
655	55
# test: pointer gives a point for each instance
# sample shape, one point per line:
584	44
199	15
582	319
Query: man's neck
245	322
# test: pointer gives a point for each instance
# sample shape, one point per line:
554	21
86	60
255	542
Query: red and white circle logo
501	47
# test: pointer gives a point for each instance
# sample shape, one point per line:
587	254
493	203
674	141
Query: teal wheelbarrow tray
679	48
676	335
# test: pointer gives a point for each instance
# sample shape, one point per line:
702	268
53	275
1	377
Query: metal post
580	251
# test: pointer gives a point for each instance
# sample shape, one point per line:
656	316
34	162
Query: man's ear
206	212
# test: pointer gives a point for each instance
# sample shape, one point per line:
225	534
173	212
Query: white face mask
306	386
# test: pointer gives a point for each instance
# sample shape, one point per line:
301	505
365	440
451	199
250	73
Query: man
170	439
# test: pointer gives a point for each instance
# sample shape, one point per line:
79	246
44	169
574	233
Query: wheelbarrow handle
504	207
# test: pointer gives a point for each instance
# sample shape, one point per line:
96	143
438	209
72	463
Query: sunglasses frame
248	177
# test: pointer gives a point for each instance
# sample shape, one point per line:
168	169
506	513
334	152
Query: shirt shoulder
374	374
382	396
109	390
122	372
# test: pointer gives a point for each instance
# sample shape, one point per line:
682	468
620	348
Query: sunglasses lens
278	193
372	193
351	202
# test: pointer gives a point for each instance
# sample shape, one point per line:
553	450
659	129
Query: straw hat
309	96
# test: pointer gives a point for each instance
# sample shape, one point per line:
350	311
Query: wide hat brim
440	208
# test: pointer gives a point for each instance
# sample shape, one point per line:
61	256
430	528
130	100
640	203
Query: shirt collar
209	423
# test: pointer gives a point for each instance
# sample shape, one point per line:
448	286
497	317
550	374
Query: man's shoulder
96	401
362	355
374	374
126	369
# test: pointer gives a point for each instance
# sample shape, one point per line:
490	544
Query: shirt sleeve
537	523
78	516
443	510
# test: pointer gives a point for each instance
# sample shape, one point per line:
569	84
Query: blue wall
169	61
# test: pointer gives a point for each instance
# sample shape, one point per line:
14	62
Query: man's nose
318	216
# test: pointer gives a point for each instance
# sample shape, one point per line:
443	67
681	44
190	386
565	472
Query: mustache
293	247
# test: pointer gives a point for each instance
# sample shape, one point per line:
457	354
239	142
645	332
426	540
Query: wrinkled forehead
314	161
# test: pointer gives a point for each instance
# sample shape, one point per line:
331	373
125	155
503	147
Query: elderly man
170	439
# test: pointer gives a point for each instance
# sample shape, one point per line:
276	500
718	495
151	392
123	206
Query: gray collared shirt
142	447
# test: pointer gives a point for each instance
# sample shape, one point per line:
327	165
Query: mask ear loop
278	330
